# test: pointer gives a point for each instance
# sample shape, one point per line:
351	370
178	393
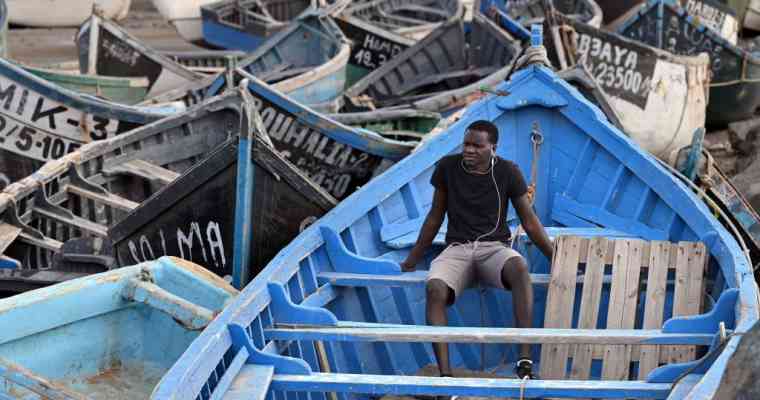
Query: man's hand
408	266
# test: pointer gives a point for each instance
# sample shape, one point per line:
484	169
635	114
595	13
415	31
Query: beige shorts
460	265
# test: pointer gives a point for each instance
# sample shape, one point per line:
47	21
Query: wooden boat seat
144	170
631	260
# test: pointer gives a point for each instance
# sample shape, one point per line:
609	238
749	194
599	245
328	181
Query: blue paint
286	312
243	212
282	365
603	162
308	43
346	261
82	328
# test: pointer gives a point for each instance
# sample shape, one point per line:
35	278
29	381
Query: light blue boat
110	336
306	61
332	316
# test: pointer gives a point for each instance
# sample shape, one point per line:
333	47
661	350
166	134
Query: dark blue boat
245	25
333	317
735	83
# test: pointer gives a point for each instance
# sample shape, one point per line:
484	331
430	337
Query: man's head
479	145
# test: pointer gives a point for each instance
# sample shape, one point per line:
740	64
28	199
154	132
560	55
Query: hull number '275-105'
39	128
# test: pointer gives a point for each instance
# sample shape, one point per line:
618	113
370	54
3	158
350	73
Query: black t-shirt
472	200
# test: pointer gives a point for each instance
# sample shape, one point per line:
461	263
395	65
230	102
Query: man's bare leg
438	296
515	275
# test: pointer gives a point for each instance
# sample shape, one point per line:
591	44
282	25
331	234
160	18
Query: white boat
58	13
185	15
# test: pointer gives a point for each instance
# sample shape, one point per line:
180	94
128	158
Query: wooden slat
589	311
559	304
687	298
143	170
380	333
621	314
107	199
654	305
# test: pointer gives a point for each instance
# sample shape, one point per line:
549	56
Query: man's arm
429	229
533	226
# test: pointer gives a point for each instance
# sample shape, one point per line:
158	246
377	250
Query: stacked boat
230	223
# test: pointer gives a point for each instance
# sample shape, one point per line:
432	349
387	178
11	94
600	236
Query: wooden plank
589	311
691	261
378	333
621	313
480	387
107	199
251	383
654	306
559	304
143	169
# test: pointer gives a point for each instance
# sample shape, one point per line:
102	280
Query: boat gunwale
359	138
193	368
84	103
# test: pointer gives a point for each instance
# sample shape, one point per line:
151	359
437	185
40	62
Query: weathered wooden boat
62	13
660	97
337	157
107	49
57	220
43	121
528	12
246	24
198	217
442	72
117	89
376	30
716	15
413	19
735	84
306	61
107	336
185	16
332	316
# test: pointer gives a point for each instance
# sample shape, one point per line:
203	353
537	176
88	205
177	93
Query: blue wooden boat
381	29
245	25
443	72
107	336
333	317
307	61
107	49
734	87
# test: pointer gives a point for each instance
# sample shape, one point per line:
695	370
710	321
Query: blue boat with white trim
648	296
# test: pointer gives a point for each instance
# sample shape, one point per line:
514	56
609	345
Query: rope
533	55
522	386
537	138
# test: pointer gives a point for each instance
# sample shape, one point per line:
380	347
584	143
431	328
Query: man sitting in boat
474	188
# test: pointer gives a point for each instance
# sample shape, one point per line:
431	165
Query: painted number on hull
37	127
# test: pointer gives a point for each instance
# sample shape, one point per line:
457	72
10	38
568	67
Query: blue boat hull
342	272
